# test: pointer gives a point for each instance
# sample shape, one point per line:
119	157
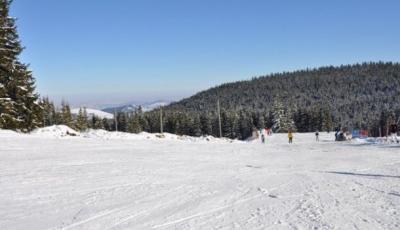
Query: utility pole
219	118
161	121
115	120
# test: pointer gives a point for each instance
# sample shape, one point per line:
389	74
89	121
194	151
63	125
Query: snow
22	88
103	180
92	112
105	135
55	131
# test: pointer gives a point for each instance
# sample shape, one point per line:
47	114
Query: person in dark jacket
317	135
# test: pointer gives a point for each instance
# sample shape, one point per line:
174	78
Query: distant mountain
130	107
93	112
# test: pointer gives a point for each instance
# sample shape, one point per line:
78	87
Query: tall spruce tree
283	118
66	116
49	114
19	105
134	123
82	120
96	123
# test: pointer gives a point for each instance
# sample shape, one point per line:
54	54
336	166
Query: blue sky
112	51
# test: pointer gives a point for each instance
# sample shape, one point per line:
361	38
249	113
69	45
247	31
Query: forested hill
351	93
344	88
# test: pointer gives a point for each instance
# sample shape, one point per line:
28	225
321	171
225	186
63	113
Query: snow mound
60	131
55	131
8	133
107	135
377	140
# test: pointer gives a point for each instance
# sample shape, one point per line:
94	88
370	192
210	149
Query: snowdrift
62	131
55	131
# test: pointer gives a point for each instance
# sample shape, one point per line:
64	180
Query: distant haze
101	101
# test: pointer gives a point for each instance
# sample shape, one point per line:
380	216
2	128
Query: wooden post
115	120
161	121
219	119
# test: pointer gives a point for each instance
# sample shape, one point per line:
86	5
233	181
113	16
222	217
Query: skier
262	138
290	136
317	135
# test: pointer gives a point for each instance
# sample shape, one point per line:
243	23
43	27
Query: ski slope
101	180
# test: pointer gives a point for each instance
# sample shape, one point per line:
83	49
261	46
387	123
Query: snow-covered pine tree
27	102
19	105
278	116
283	118
7	113
288	122
49	112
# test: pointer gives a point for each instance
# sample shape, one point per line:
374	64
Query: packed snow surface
102	180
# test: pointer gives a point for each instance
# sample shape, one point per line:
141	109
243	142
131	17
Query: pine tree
134	123
196	126
66	116
260	121
19	105
278	116
7	113
82	120
283	118
97	123
327	121
245	125
106	124
27	102
122	122
49	112
205	124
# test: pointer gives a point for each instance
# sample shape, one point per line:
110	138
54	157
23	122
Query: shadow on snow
362	174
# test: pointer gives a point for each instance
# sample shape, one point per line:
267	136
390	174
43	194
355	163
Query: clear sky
111	51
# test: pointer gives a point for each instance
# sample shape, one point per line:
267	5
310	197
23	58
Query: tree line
362	96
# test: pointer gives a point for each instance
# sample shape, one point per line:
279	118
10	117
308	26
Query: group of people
268	132
290	135
340	135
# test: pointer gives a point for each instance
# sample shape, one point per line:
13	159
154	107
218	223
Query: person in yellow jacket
290	136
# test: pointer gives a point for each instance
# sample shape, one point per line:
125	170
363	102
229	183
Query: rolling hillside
353	94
